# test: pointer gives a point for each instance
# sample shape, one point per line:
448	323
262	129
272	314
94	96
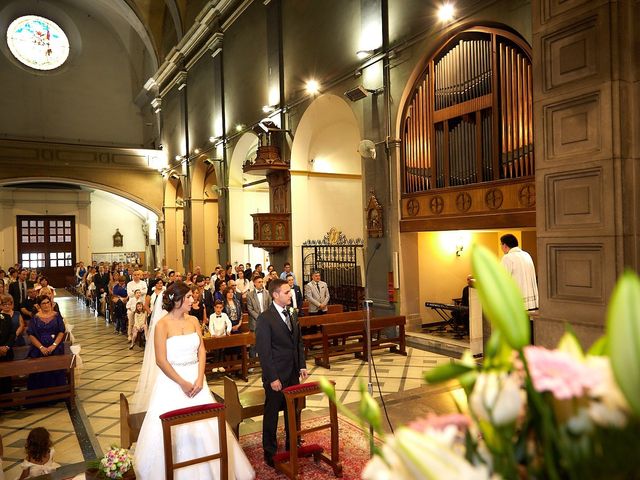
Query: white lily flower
412	455
497	397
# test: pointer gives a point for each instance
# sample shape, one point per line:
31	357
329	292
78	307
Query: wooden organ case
467	137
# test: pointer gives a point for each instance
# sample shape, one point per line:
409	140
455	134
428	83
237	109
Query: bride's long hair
174	296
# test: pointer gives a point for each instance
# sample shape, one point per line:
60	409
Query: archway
326	174
246	196
98	214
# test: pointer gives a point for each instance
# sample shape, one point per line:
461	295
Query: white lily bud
497	397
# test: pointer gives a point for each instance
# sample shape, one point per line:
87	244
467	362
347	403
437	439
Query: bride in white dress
180	356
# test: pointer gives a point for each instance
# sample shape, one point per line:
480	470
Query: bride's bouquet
115	464
526	411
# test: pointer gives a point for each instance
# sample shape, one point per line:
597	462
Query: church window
37	42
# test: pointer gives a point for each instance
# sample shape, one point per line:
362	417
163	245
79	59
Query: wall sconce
362	54
459	247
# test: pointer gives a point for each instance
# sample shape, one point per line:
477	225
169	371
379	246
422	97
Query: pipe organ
469	119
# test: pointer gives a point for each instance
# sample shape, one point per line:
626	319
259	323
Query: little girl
139	323
39	452
219	326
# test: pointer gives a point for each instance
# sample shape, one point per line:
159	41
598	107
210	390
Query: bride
180	356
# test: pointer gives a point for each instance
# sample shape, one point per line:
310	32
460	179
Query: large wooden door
48	244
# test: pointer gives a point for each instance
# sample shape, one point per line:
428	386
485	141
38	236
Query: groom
281	352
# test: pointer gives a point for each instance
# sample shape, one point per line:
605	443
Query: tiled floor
110	368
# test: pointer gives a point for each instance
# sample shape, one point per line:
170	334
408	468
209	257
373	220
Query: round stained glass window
37	42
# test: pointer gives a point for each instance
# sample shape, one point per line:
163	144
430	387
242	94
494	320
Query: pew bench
130	423
353	334
21	366
311	340
240	406
243	340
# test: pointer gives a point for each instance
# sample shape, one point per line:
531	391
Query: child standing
131	309
119	315
139	322
39	451
219	326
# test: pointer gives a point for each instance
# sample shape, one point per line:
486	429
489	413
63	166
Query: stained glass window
37	42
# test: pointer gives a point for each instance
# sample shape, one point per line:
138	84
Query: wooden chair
287	462
130	423
195	414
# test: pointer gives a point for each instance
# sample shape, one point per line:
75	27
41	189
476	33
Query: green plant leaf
623	332
599	347
569	343
501	298
446	372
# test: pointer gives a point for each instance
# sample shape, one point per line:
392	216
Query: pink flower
440	422
558	372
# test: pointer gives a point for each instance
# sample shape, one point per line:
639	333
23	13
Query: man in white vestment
520	265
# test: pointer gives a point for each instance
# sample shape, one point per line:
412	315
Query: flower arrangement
115	464
527	411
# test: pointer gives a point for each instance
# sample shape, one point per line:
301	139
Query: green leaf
446	372
599	348
369	409
501	298
569	343
623	331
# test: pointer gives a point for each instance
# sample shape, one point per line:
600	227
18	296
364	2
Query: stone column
586	143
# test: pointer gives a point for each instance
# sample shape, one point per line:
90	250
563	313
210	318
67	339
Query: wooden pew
333	308
21	366
314	339
130	423
242	340
240	407
355	332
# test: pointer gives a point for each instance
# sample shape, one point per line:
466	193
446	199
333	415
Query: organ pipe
453	120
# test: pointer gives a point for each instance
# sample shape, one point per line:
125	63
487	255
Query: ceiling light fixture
446	12
312	87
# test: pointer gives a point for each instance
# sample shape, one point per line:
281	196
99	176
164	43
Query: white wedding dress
189	440
149	370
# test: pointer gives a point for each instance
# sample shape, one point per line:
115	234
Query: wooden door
48	244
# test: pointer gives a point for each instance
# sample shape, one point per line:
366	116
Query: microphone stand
367	307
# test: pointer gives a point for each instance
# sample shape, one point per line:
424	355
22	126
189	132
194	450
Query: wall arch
326	174
86	183
243	201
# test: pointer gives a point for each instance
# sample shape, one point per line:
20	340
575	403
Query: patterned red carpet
354	452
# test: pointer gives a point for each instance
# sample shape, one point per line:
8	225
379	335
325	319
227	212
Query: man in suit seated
281	353
317	294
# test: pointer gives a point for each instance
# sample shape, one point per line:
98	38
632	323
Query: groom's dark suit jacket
281	353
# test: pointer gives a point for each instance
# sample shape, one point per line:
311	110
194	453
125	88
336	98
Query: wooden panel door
48	244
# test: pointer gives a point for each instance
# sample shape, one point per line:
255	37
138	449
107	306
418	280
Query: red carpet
354	452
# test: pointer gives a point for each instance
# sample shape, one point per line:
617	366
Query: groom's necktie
287	319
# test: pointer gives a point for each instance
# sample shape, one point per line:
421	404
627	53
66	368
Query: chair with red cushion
287	462
188	415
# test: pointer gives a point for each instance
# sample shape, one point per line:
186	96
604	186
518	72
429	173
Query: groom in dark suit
281	352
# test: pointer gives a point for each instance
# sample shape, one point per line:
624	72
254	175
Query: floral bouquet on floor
117	463
527	411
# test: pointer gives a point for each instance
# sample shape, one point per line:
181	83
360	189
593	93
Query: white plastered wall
326	175
243	202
